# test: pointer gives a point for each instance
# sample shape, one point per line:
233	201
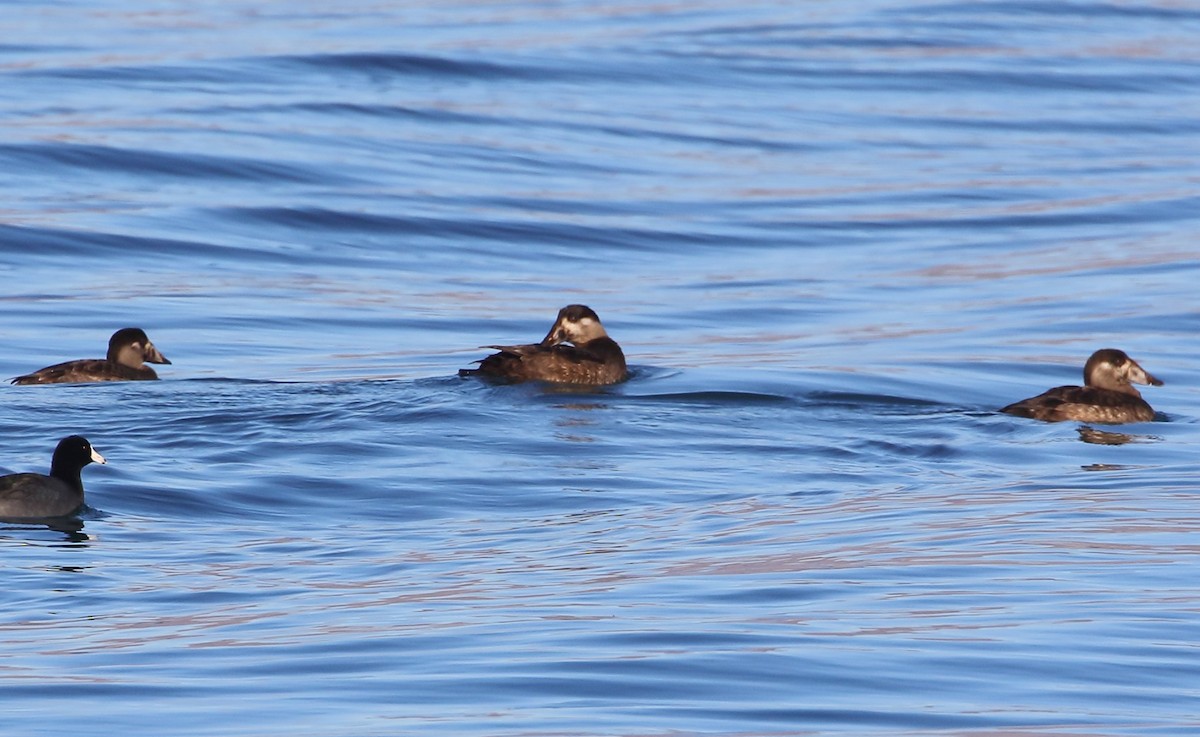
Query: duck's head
575	324
131	347
1110	368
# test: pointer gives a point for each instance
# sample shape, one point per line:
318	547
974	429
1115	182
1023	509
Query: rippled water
832	238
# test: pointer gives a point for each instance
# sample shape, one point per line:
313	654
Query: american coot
1107	395
594	358
32	495
128	350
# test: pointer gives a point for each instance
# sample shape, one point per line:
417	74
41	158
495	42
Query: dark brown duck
33	495
577	350
1108	395
128	351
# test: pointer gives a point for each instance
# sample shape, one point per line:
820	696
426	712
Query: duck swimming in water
1107	396
577	350
33	495
128	350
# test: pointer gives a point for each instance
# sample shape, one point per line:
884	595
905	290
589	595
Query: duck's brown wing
84	370
563	363
505	365
1082	404
519	350
1045	405
576	354
62	373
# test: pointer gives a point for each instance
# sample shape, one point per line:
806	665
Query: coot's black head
72	454
131	347
1110	368
575	324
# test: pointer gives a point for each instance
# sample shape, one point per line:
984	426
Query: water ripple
158	164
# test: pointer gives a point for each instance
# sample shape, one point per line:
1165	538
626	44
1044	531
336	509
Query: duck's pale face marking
568	330
132	355
582	330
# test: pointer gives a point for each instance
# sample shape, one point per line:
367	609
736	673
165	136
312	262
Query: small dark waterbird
128	351
35	496
577	350
1108	395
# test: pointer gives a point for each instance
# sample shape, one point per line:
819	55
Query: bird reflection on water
1107	437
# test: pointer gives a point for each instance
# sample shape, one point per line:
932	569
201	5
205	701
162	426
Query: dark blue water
832	239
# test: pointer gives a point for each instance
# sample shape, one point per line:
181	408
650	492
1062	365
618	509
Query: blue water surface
832	238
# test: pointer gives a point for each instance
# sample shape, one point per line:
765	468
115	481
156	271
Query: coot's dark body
33	495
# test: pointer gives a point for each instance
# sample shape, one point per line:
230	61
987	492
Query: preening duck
577	350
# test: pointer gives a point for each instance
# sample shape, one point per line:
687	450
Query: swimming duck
128	350
577	350
1107	395
32	495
